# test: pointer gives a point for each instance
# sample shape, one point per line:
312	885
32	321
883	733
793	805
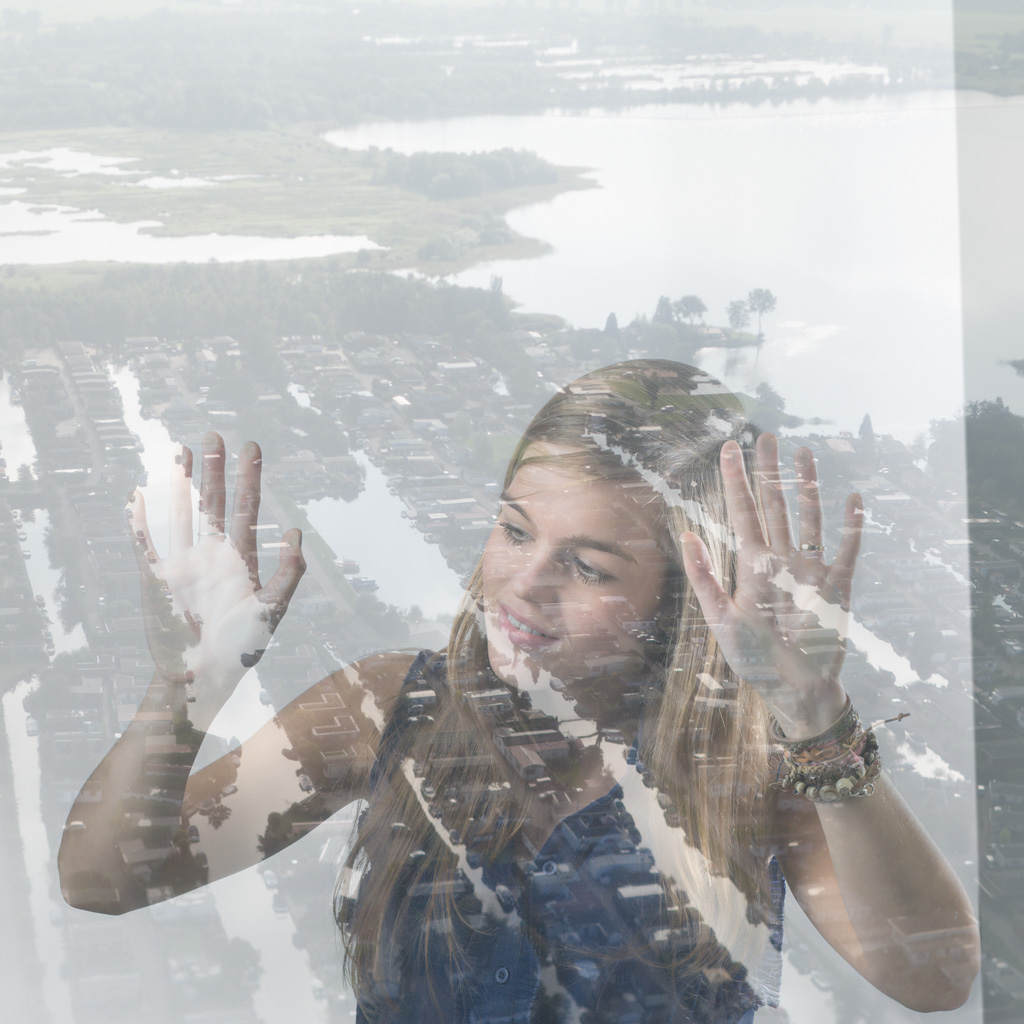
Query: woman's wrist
841	761
805	719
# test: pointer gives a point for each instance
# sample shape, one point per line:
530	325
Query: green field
281	183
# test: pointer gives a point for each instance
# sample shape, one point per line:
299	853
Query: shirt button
501	975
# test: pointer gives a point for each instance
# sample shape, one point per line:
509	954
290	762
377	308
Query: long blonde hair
705	737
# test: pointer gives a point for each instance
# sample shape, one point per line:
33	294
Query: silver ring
210	533
812	547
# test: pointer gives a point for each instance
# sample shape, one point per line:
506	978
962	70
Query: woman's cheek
595	632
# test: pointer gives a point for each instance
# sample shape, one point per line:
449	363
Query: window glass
243	782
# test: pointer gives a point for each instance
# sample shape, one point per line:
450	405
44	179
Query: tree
611	325
760	301
866	430
770	413
994	455
690	307
277	836
739	314
217	815
768	396
663	313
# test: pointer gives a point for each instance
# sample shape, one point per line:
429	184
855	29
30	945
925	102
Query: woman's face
573	571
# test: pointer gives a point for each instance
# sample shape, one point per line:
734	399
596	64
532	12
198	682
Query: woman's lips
521	632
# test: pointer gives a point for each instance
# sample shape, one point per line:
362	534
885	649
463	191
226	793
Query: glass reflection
587	802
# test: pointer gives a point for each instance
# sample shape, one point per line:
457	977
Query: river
15	441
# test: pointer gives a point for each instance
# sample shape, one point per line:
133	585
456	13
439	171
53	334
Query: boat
348	566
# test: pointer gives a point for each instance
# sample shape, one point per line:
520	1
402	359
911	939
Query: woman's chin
514	666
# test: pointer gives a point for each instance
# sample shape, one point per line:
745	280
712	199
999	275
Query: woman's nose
536	576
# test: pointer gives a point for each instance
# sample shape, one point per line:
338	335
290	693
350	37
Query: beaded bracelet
843	761
838	780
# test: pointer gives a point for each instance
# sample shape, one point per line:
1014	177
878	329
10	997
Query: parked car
505	897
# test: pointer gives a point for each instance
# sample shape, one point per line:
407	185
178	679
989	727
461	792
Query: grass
61	276
289	182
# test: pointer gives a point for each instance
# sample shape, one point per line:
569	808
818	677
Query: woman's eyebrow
506	500
609	547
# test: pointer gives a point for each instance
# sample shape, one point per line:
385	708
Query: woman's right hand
208	617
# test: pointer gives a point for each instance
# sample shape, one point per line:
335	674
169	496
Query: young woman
588	802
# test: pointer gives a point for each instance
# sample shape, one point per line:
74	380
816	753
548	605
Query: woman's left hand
784	628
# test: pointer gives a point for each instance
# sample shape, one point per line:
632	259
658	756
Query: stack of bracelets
841	762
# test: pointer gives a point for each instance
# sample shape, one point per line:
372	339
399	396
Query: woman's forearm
146	771
912	918
126	843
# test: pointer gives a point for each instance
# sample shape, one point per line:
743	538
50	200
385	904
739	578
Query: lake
846	210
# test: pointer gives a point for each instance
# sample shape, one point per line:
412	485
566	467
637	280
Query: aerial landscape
376	238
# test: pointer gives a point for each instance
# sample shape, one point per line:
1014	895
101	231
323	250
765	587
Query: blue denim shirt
567	903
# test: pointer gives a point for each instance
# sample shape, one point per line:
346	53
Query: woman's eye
587	573
513	534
